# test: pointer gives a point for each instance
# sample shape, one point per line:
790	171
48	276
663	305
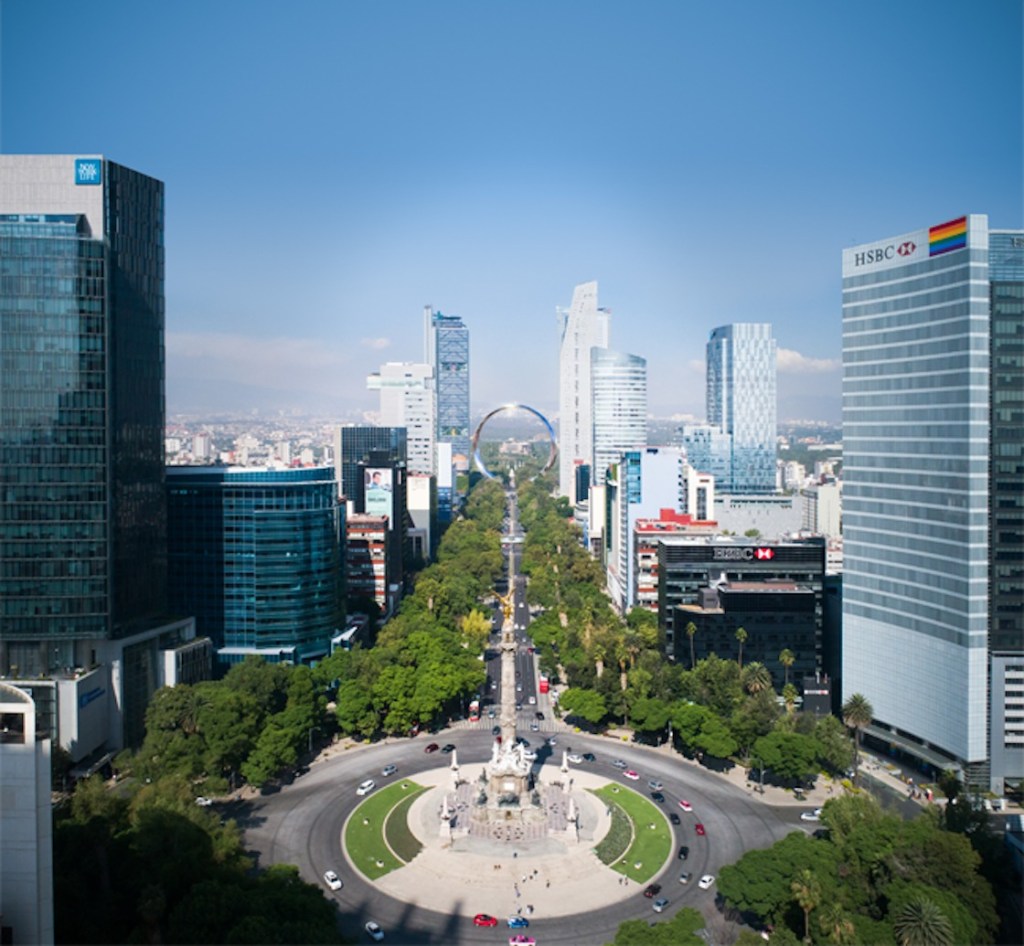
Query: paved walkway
551	879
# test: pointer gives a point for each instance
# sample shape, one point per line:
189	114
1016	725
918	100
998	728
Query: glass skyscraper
742	402
255	555
447	352
82	506
619	391
932	330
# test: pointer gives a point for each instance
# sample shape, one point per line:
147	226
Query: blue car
518	922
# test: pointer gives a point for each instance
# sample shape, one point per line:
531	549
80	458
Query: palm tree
787	658
789	695
741	636
691	629
919	922
807	893
836	925
857	712
756	677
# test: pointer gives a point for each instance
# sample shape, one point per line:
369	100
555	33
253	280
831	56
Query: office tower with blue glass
741	402
358	446
618	386
255	555
446	344
82	508
933	324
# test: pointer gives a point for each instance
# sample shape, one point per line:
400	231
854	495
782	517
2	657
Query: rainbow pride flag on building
947	236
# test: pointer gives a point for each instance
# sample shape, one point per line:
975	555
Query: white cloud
375	343
792	362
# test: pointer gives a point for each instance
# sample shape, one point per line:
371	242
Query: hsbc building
688	566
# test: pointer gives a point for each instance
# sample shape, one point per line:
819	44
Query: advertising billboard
378	492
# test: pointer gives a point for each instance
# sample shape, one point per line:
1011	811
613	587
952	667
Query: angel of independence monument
507	803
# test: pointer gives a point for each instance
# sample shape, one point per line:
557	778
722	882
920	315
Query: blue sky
332	167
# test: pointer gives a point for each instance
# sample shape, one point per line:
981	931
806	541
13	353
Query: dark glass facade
354	445
82	512
1006	469
255	555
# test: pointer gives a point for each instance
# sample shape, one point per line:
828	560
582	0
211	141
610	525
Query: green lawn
400	839
620	835
652	840
364	833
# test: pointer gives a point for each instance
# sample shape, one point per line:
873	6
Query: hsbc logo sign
745	554
867	257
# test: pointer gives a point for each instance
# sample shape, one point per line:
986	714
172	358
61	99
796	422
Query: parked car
811	815
366	787
332	880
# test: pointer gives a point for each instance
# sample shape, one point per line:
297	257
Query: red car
433	747
482	919
699	828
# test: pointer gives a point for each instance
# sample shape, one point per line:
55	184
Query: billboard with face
378	492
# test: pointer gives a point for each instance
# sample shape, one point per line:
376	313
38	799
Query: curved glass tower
619	391
255	556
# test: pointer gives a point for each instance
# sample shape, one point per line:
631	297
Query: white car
632	774
811	815
685	805
366	787
203	802
532	701
332	880
575	758
376	933
530	755
705	882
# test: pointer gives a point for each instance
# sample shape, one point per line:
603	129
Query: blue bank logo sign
88	171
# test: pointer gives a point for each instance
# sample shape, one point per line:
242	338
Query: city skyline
334	168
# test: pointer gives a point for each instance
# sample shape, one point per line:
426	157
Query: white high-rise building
619	392
408	399
26	825
931	491
584	327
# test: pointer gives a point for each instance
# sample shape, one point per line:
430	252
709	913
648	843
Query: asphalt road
302	823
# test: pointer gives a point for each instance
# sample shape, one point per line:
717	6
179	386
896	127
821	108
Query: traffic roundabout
572	895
